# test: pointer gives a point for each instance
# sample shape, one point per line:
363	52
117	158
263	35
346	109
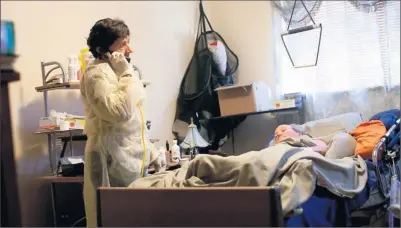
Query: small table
69	139
298	111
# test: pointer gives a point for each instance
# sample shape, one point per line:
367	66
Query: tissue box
46	123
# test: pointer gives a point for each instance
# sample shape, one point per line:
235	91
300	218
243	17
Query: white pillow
345	122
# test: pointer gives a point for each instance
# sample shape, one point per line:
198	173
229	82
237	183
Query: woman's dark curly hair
104	33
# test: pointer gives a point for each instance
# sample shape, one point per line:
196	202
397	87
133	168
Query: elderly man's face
283	132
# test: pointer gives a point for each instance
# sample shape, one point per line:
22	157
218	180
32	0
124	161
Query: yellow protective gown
114	122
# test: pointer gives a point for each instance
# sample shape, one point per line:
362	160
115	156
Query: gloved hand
119	64
157	161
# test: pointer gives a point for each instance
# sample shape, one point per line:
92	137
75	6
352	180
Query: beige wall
246	26
162	39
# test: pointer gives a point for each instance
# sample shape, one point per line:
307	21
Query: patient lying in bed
295	168
337	145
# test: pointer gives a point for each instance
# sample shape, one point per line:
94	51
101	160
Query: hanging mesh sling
197	98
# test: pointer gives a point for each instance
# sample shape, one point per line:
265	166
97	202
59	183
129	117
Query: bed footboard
190	207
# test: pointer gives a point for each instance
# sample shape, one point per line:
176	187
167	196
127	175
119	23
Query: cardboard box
253	97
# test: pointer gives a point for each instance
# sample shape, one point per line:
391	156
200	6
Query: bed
189	207
251	206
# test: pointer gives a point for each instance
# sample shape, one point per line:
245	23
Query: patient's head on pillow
284	132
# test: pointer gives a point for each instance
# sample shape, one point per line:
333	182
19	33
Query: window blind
358	50
389	24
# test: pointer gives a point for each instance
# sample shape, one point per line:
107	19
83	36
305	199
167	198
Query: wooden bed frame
190	207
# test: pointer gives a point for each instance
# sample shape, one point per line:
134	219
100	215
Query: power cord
143	139
78	221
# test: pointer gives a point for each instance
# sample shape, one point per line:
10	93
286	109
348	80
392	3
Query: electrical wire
143	138
78	221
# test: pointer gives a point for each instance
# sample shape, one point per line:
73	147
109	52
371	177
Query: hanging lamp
298	46
193	140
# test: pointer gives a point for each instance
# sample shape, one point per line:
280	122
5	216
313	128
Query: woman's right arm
112	102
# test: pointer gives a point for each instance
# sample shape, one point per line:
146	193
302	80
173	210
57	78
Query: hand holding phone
118	62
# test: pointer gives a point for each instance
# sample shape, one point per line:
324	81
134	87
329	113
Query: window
358	50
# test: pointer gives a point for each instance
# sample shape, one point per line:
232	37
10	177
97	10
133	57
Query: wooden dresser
10	204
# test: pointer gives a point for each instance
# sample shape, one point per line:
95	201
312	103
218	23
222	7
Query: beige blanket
296	170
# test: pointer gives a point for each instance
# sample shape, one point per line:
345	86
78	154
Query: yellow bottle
86	58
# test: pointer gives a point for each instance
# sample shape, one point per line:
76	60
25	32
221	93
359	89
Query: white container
184	162
162	155
175	152
73	68
289	103
64	125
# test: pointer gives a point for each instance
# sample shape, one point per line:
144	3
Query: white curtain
359	61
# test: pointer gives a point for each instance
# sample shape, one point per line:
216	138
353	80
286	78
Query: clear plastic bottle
175	151
73	68
162	155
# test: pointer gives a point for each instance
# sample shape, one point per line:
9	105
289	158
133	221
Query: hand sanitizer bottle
175	151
